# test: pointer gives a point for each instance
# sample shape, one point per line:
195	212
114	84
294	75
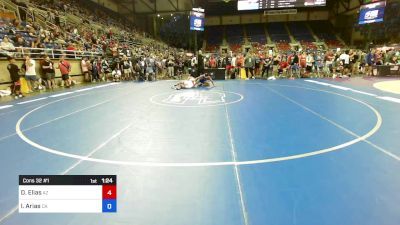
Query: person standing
213	62
309	62
85	69
150	68
302	63
65	68
257	64
345	58
355	63
14	76
232	69
104	68
193	66
249	64
48	70
127	68
97	66
171	65
294	65
266	66
200	63
370	60
30	74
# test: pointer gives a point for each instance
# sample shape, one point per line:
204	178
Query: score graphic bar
67	193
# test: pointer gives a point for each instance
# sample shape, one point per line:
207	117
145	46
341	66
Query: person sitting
6	47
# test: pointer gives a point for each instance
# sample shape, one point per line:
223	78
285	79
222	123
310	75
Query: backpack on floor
24	85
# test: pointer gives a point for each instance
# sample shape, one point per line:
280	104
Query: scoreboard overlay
67	194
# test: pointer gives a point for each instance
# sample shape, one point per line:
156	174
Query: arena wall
76	72
260	18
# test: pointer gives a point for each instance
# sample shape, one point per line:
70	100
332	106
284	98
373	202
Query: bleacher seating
96	33
214	38
258	46
332	44
235	48
211	48
300	32
256	33
283	46
323	30
278	33
234	34
308	45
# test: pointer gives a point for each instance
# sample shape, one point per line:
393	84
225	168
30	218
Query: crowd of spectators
344	63
114	50
118	51
77	36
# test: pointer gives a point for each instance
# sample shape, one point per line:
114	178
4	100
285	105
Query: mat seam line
236	169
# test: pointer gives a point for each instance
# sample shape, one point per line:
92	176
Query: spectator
30	74
249	64
294	65
95	70
104	68
6	47
200	64
65	68
48	70
309	62
303	62
171	64
150	68
345	59
266	66
20	44
283	66
232	66
14	76
355	62
85	69
213	62
99	68
257	64
329	62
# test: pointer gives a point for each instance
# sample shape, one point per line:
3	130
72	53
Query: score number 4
109	191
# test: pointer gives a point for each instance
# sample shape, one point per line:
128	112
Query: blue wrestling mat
306	152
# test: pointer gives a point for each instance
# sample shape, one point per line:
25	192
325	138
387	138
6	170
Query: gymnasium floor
306	152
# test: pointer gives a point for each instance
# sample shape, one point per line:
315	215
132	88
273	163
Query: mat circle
209	164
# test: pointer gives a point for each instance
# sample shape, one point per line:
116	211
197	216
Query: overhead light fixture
158	15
